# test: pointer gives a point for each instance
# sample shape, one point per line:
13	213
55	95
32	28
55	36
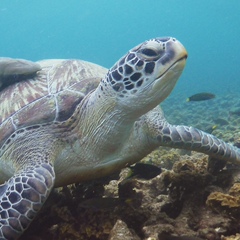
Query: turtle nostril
165	39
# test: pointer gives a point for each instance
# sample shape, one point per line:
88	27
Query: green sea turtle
76	121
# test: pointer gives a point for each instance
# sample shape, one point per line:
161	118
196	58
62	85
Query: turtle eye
149	52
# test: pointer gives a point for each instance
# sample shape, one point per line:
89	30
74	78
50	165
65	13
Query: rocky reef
186	200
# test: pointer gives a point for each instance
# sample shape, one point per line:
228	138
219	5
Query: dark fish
140	170
16	70
234	113
144	170
237	144
201	97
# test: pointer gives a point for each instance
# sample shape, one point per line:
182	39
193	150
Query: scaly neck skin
103	126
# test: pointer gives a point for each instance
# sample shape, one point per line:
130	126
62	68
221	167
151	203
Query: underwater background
101	31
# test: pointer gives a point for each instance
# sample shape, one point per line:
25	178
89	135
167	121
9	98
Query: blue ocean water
102	31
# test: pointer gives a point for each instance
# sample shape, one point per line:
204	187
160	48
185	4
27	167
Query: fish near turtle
201	97
75	121
15	70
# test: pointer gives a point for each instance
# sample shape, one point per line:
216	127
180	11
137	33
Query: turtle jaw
168	74
164	84
176	66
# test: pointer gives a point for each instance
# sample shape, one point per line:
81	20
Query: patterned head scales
142	65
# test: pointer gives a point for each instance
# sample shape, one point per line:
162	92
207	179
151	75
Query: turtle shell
52	95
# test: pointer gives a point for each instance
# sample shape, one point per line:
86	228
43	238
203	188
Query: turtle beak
170	66
177	54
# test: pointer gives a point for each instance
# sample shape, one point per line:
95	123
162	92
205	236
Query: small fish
211	128
144	170
201	97
234	113
237	144
16	70
140	171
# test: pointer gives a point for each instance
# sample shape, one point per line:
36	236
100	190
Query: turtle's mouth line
179	60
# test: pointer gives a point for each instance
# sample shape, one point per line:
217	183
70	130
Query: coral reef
174	202
228	204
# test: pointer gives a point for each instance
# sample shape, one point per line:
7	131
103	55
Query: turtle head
146	75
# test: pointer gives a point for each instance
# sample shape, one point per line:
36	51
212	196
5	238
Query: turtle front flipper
22	196
15	70
191	138
161	133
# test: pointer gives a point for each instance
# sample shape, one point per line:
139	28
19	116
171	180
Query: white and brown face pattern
137	69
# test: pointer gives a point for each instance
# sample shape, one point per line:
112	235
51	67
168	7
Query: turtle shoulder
51	95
